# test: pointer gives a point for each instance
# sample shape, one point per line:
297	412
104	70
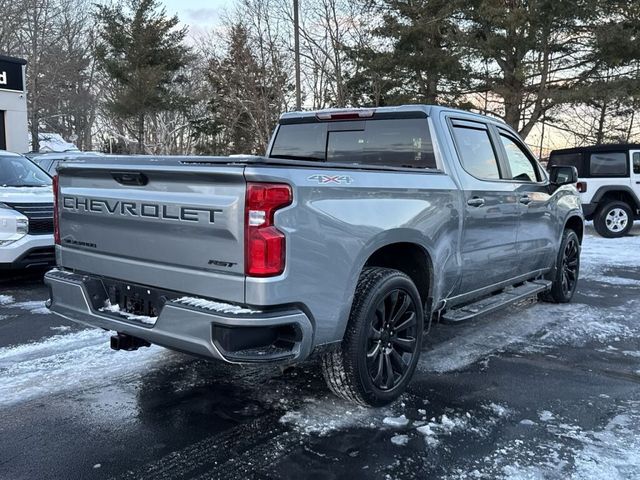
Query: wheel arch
617	193
575	223
383	250
410	258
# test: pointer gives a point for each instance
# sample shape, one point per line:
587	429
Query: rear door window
608	164
476	151
389	142
636	162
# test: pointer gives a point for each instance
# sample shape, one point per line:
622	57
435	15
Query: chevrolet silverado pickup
354	232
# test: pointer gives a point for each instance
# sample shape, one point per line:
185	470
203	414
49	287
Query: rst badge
330	179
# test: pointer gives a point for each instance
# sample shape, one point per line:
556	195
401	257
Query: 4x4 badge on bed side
331	179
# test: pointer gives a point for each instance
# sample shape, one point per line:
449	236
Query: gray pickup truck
356	231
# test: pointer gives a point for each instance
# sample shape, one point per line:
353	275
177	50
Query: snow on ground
36	307
6	299
400	440
611	452
323	415
599	255
68	362
544	324
401	421
446	425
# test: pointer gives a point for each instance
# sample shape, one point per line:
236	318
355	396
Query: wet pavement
535	391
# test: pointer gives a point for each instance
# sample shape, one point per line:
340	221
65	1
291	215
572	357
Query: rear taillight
581	186
56	218
264	243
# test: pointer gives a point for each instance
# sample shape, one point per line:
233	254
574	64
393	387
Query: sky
199	15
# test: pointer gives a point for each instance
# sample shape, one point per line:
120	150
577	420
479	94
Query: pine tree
141	50
536	53
246	93
415	56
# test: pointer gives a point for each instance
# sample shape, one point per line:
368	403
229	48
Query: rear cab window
391	142
476	150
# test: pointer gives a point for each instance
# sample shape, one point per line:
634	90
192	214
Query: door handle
475	202
525	200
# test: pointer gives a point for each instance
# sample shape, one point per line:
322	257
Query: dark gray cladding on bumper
179	327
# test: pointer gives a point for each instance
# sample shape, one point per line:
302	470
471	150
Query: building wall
14	105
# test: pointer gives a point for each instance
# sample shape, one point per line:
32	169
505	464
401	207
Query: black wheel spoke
405	344
374	351
398	363
389	371
409	322
377	378
406	301
375	334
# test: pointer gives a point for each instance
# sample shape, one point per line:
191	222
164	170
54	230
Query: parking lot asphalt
535	391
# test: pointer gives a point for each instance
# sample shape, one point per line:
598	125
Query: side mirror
563	175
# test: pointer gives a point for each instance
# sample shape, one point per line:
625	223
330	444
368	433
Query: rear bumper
191	329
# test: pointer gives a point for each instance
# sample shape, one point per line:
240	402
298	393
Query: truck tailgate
175	227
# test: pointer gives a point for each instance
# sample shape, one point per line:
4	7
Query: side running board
495	302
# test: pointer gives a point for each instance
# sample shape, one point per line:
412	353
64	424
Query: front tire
565	275
613	220
381	346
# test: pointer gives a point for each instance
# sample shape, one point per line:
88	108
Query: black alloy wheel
570	263
381	345
564	278
392	342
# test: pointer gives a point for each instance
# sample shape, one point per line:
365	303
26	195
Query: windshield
20	172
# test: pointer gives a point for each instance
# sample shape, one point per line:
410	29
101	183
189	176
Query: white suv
609	184
26	214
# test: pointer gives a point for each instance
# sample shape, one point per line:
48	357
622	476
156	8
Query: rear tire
613	220
380	349
565	275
